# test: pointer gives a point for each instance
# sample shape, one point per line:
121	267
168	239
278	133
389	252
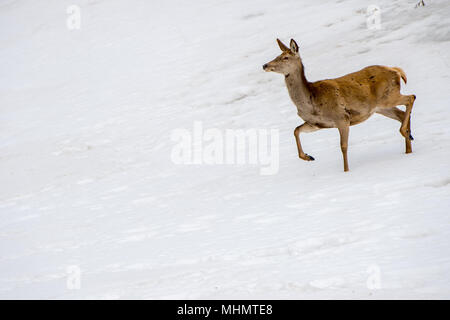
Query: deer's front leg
343	131
306	127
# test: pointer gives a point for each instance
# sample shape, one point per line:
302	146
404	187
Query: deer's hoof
307	157
406	134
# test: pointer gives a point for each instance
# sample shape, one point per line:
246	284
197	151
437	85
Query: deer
345	101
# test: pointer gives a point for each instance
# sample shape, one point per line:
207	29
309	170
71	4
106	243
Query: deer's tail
401	73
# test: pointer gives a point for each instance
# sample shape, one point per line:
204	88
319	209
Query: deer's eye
285	58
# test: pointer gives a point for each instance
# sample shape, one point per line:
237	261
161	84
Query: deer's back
356	95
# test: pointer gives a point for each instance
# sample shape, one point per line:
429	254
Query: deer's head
287	61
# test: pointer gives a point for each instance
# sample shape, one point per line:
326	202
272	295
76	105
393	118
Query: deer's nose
265	66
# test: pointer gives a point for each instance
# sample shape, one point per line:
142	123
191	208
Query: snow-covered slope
87	180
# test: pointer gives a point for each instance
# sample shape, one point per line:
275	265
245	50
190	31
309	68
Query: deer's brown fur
345	101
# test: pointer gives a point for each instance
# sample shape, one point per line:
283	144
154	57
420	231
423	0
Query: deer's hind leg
405	128
399	115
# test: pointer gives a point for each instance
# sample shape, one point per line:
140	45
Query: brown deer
345	101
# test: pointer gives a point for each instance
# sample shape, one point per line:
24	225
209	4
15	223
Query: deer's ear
282	46
294	46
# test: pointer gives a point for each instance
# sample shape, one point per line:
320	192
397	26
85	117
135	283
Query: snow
88	181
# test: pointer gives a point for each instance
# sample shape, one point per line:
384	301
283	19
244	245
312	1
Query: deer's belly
318	121
322	121
357	117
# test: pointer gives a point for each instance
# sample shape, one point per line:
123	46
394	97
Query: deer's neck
299	91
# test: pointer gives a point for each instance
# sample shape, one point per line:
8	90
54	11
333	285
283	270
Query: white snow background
85	153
